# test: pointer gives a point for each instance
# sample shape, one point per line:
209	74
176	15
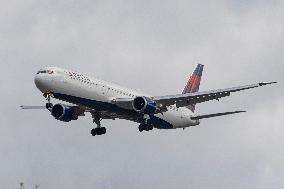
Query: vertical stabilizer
193	83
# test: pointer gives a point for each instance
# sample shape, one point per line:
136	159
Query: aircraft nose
41	83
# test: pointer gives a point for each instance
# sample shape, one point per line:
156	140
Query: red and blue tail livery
193	83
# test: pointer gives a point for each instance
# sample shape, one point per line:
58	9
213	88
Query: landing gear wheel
48	105
141	128
94	132
150	127
145	127
102	130
98	131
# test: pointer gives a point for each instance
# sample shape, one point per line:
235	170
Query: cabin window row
88	81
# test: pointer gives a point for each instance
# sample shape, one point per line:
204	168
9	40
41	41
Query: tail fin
193	83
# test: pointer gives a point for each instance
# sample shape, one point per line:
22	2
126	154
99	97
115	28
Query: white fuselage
74	88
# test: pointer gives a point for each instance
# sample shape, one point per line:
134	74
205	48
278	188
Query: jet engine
63	112
144	105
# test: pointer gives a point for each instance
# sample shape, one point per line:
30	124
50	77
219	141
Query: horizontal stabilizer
33	107
215	115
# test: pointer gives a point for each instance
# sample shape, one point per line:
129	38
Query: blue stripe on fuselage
105	106
97	105
159	123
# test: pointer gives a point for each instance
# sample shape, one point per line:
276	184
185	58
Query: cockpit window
45	71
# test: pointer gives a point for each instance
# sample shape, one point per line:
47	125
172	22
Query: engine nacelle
63	112
145	105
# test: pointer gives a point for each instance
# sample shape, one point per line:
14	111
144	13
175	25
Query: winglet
266	83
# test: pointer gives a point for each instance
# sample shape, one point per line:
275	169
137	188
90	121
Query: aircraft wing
182	100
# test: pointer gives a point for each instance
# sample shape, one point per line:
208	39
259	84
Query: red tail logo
193	83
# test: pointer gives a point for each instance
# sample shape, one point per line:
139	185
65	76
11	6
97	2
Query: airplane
105	100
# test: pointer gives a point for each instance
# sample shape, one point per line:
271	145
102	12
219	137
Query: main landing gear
145	127
98	130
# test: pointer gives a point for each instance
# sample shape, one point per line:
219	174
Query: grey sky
152	46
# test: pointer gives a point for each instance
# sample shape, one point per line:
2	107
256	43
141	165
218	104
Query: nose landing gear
48	105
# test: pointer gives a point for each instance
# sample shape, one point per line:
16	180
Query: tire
94	132
102	130
141	128
48	105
